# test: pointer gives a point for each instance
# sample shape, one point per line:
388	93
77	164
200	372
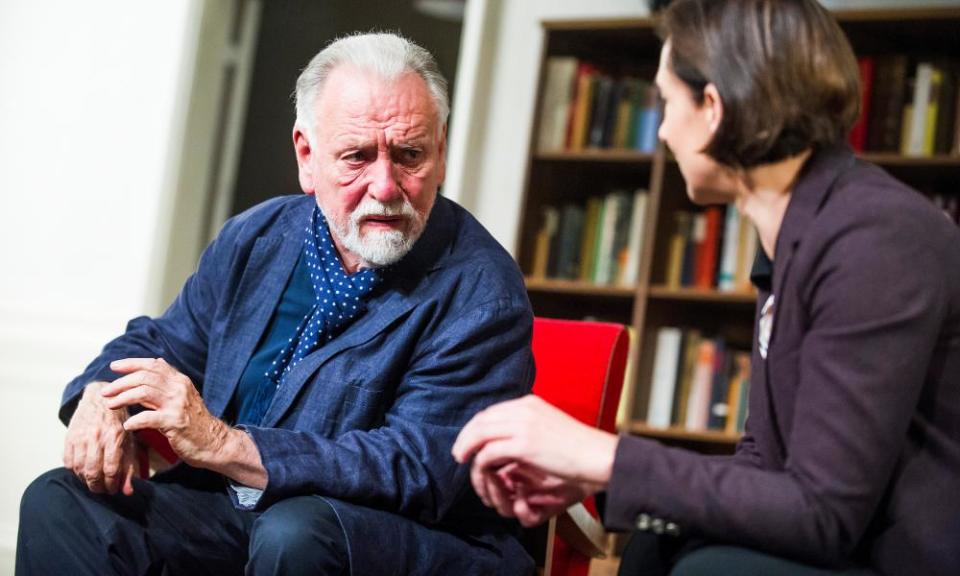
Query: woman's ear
713	107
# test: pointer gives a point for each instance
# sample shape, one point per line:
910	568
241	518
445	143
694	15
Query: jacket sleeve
478	358
180	335
871	332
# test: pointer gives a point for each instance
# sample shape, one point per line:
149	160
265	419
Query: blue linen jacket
851	452
367	420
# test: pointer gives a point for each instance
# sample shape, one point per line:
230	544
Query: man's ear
304	151
442	151
712	106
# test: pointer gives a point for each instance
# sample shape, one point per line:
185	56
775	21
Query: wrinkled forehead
350	92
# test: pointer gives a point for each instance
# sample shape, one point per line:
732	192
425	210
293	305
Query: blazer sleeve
180	335
874	305
476	359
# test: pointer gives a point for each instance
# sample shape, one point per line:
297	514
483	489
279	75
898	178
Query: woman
850	462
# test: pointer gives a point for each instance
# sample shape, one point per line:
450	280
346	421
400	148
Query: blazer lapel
377	319
268	269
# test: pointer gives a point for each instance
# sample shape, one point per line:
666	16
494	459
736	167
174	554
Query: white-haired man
313	373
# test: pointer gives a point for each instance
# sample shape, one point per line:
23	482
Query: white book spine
666	360
921	99
635	244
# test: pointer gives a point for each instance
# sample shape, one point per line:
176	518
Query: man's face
376	164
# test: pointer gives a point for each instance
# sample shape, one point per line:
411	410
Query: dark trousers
182	522
651	555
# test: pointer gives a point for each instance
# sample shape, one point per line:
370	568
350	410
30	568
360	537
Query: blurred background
129	132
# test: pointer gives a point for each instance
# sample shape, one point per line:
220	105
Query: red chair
580	370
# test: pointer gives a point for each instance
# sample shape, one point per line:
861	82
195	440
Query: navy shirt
255	390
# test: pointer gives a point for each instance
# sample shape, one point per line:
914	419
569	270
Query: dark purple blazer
852	447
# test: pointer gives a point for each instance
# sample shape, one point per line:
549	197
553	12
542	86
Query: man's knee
46	494
298	535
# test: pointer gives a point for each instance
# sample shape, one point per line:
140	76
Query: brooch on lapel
765	326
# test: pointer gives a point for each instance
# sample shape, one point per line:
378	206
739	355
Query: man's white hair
387	55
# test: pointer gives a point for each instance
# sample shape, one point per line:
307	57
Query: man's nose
384	185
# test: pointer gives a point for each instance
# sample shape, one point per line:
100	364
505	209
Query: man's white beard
379	248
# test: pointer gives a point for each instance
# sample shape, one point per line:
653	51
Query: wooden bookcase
554	177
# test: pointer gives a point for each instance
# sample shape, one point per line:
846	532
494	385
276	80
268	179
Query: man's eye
354	157
409	155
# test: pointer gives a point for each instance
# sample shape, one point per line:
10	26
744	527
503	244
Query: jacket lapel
272	260
377	319
813	188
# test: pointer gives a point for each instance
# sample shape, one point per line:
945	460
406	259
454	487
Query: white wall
486	176
91	110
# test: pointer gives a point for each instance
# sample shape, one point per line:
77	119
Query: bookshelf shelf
682	434
613	156
578	287
661	292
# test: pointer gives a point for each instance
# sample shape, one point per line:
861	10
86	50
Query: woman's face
687	129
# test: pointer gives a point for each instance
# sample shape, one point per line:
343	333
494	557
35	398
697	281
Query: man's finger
136	379
145	395
112	462
128	470
146	419
128	365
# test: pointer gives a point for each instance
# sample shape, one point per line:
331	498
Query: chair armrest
582	531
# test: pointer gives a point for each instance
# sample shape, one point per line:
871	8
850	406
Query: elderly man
314	372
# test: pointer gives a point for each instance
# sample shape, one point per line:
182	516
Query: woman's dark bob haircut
785	72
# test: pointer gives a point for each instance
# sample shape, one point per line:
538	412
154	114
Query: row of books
910	108
598	242
714	248
699	383
583	107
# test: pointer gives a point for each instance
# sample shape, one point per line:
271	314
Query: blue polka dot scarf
341	298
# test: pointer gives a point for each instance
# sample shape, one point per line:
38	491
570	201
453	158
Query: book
707	249
681	396
693	253
612	205
558	92
727	280
919	117
701	386
545	235
717	414
621	237
648	122
737	393
678	248
570	233
602	103
886	104
581	107
638	220
664	376
947	112
858	134
588	246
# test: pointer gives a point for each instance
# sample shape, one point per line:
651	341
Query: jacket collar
814	185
